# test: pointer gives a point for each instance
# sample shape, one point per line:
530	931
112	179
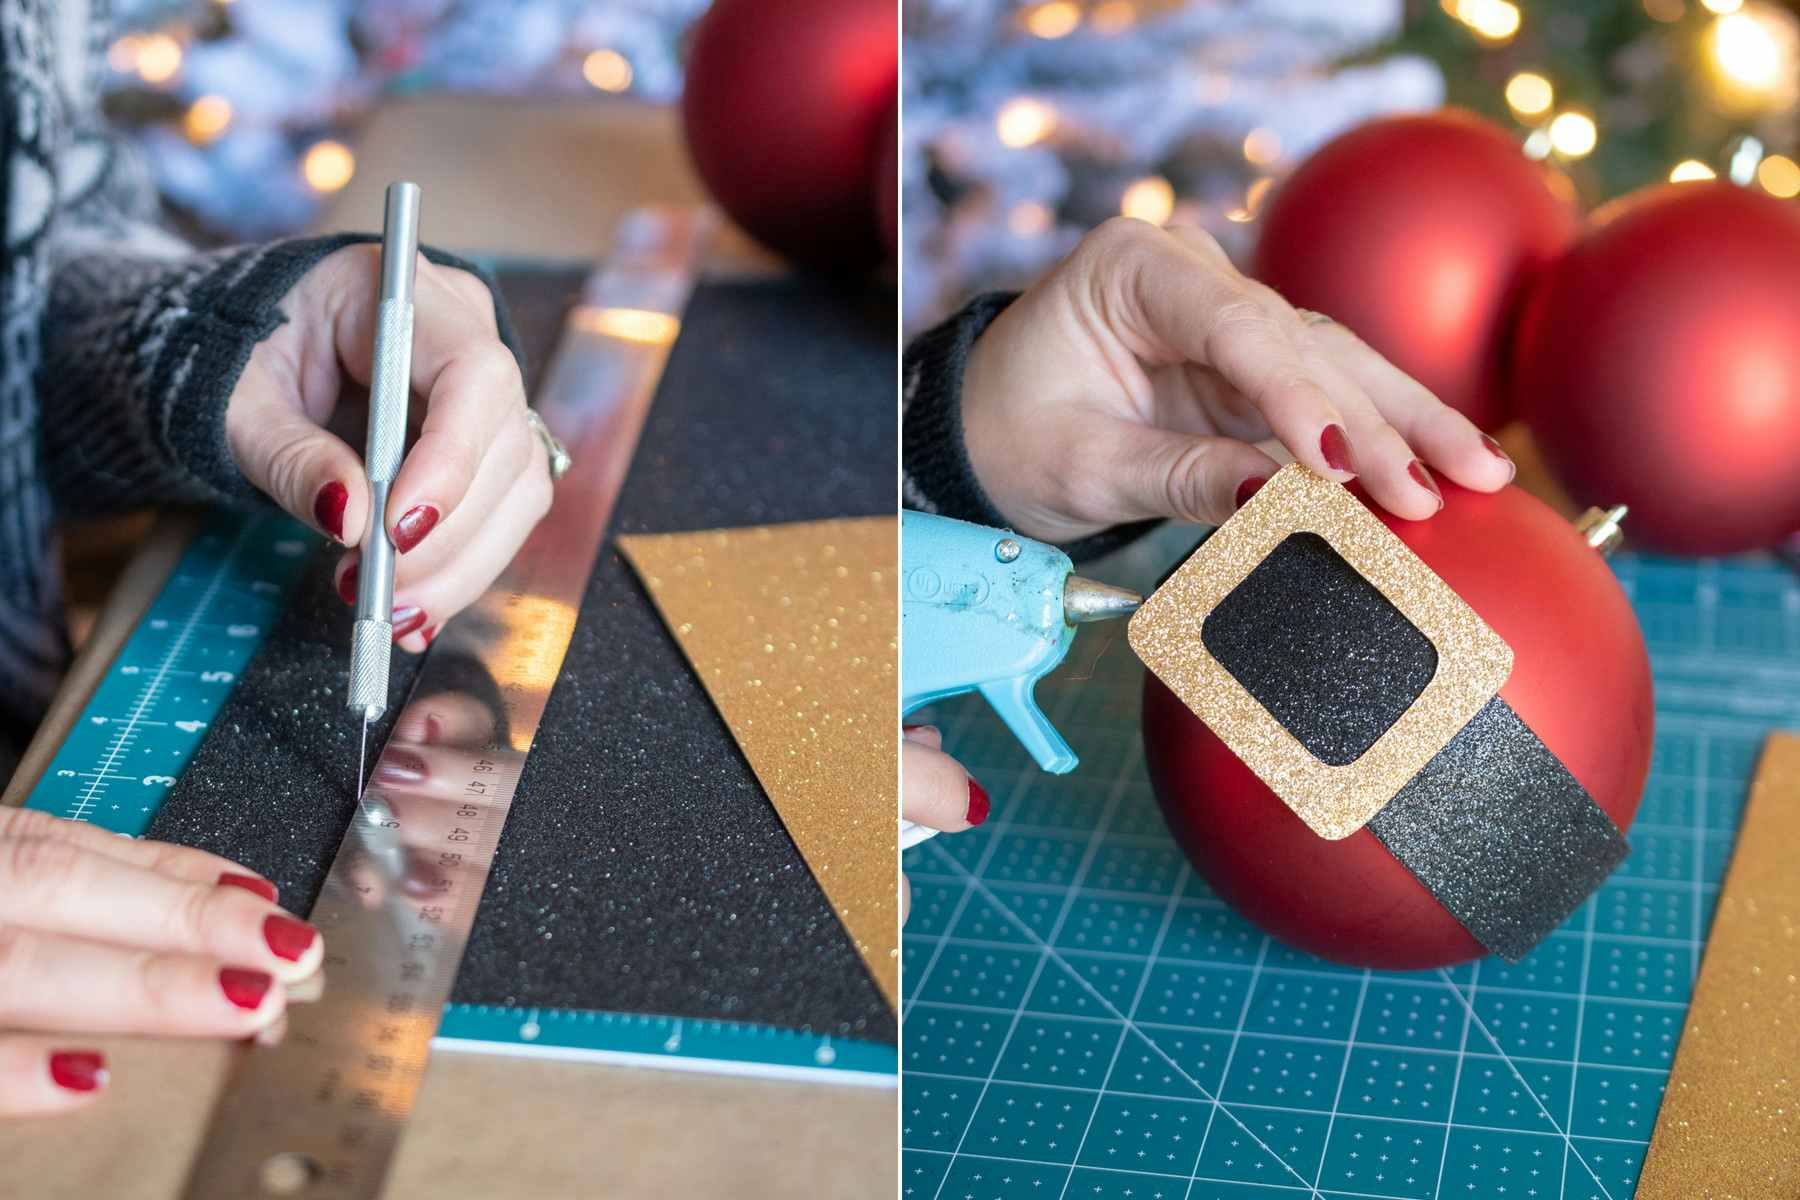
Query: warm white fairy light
1691	170
1529	94
1150	199
1779	175
327	166
1058	18
206	119
158	57
1023	121
1573	135
1745	50
1722	7
607	70
1492	20
1262	147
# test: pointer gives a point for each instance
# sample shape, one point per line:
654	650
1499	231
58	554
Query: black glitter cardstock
1321	648
1501	833
641	869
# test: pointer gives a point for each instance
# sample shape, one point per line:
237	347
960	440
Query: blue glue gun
989	611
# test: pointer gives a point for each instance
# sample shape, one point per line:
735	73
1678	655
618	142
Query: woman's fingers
451	588
477	398
936	791
44	1077
281	449
179	862
1155	472
1445	439
1183	304
53	982
474	394
56	887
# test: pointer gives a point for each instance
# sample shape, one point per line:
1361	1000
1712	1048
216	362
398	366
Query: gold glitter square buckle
1334	801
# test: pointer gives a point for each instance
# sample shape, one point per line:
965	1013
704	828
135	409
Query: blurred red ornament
784	107
1658	365
887	182
1420	234
1580	680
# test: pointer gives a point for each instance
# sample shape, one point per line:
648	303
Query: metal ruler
320	1113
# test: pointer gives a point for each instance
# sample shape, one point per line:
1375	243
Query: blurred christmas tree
1027	123
1627	92
246	109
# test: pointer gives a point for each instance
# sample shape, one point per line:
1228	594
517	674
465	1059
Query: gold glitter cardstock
1729	1128
1334	801
793	631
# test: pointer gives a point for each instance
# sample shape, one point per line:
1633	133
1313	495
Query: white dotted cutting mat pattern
1083	1018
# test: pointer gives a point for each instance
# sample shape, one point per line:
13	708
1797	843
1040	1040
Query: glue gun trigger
1012	699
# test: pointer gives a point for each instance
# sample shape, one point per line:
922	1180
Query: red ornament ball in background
1658	365
784	107
1420	234
887	182
1580	680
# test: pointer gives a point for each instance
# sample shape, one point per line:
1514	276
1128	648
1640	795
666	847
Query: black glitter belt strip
1364	691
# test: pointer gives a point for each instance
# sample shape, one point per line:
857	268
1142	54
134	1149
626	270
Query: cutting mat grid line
1019	1080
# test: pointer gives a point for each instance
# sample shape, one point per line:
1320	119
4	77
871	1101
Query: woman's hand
935	791
473	484
105	934
1133	379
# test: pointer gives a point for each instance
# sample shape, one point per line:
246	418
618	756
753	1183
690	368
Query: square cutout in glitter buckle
1334	801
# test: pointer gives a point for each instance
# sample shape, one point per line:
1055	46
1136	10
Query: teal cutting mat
1083	1018
151	711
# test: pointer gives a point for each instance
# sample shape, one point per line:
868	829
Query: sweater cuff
141	358
938	476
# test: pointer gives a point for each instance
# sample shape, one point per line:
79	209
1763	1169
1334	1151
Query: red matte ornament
1580	680
1420	233
784	108
1658	365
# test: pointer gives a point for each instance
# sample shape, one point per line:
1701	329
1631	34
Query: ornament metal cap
1602	528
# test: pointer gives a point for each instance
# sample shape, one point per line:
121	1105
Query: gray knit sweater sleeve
141	354
935	473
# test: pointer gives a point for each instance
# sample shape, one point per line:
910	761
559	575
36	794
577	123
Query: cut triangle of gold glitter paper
793	631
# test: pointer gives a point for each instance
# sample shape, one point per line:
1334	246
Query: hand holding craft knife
372	637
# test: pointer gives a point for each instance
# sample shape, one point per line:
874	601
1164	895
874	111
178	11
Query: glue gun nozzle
1086	600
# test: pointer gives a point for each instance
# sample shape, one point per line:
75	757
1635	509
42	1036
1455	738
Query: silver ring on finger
554	450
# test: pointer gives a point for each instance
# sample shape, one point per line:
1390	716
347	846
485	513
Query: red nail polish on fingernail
250	883
1423	478
407	620
428	633
287	938
401	766
245	988
978	804
1498	451
413	525
328	508
1334	444
347	584
78	1070
1249	488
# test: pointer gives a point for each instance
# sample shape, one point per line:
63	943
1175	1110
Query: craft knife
372	638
